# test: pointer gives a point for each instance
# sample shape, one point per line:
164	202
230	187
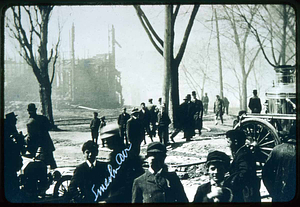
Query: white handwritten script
120	158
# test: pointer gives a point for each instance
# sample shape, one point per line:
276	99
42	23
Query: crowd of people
126	181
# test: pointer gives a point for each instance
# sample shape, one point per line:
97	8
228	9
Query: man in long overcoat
135	132
122	122
254	103
157	185
38	137
198	113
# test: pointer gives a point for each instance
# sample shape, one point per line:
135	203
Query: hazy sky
140	64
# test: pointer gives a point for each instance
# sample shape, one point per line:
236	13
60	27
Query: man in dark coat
163	125
88	177
135	132
157	185
205	101
13	148
242	181
153	110
198	113
38	137
219	109
122	122
217	165
94	126
254	103
226	105
145	117
279	172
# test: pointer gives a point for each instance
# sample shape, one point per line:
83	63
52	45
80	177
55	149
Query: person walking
163	125
157	185
94	126
153	110
198	112
205	101
145	117
122	122
38	128
219	109
254	103
226	105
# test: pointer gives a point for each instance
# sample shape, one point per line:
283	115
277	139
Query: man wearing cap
254	103
94	126
87	176
205	101
135	132
198	112
163	125
145	117
157	185
122	122
38	137
242	181
217	164
13	147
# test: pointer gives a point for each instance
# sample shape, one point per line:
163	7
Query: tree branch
147	31
186	34
175	13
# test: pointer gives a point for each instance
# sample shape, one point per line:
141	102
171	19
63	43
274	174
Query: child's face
216	172
90	155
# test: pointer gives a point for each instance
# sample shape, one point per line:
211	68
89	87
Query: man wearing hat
198	112
122	122
254	103
39	138
242	181
157	185
217	164
153	110
94	126
135	132
13	147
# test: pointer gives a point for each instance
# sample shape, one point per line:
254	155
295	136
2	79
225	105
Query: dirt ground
74	131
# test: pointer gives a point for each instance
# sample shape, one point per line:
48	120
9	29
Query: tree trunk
175	92
45	98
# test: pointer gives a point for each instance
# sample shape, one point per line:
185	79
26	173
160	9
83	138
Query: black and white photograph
149	103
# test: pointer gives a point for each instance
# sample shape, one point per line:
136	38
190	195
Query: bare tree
33	41
278	22
165	48
239	37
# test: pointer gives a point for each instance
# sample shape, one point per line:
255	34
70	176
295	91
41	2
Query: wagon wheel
261	136
62	186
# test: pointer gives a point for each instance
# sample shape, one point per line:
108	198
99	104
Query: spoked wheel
62	186
261	136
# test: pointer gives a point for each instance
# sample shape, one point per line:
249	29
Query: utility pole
220	58
73	63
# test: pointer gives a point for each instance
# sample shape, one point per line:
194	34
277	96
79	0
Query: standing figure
38	137
157	185
122	122
217	165
94	126
205	101
198	114
219	109
135	132
226	104
88	177
145	120
153	110
279	172
163	125
13	148
254	103
242	181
